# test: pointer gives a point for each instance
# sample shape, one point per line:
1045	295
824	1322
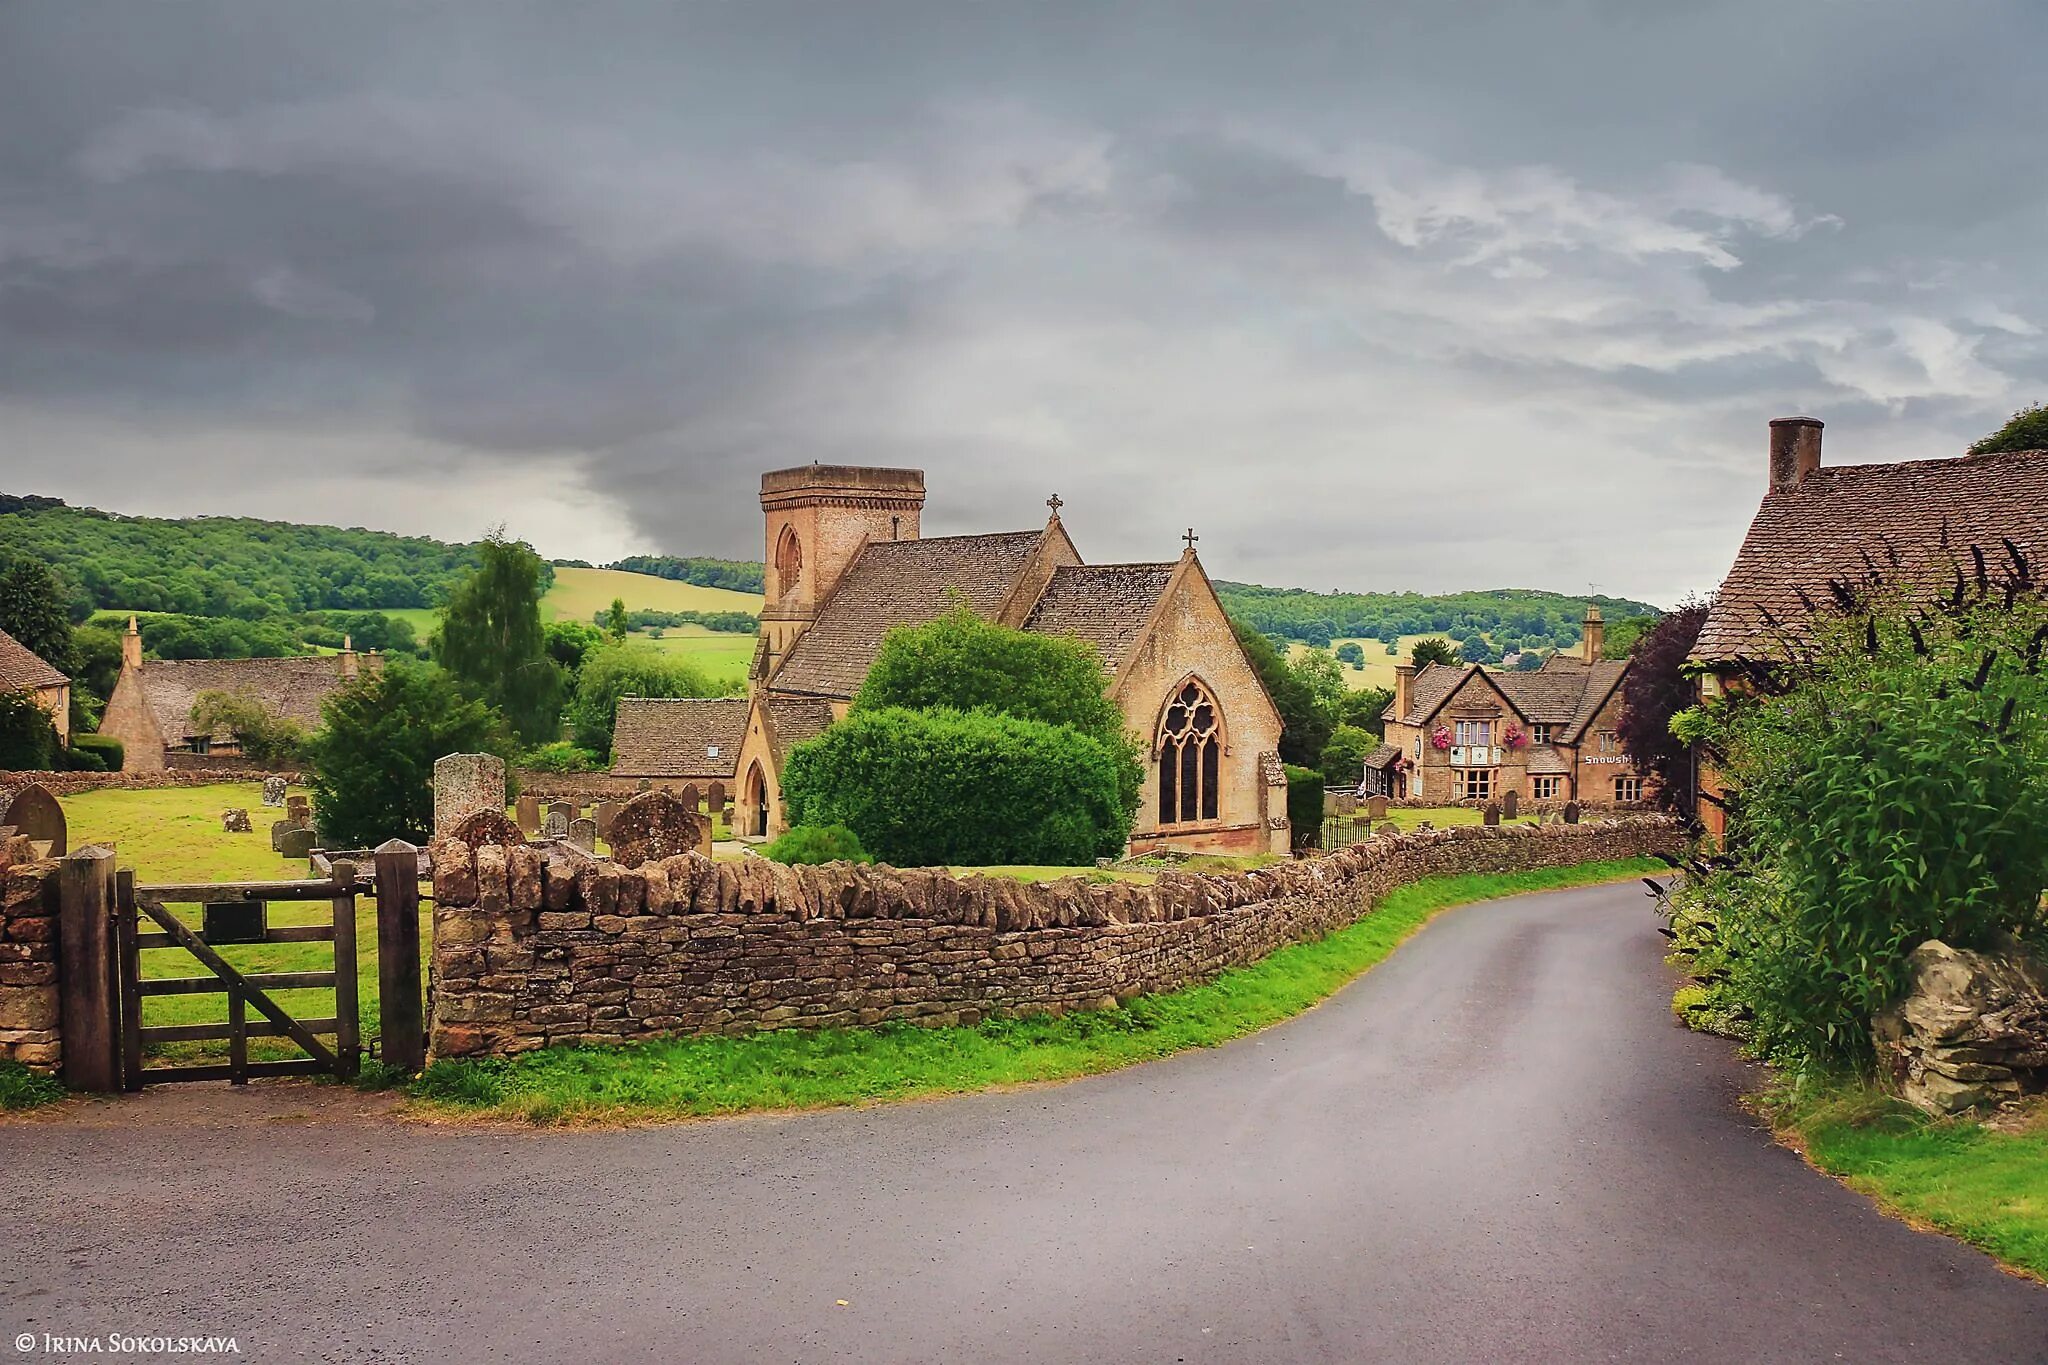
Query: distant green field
723	657
579	594
1379	661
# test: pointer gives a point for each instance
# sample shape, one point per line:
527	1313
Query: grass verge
21	1088
808	1069
1987	1187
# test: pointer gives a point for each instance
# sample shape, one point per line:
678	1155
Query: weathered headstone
529	815
1571	812
556	825
1388	828
299	809
234	821
606	812
465	784
37	817
714	797
273	791
566	809
1376	809
692	798
297	842
583	834
1345	803
486	827
656	825
280	828
1492	813
1511	804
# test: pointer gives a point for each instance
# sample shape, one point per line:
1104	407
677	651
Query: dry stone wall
72	783
540	945
29	1010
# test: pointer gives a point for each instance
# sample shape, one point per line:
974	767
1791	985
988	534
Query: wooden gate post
398	956
88	988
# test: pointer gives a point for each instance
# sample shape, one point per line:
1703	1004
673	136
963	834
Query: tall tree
32	609
1305	725
616	622
1435	650
1655	690
492	642
2028	430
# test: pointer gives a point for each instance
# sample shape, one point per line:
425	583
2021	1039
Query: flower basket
1514	737
1440	738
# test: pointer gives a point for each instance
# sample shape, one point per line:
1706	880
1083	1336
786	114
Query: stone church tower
818	517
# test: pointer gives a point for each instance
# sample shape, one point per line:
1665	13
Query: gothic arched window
1190	749
789	561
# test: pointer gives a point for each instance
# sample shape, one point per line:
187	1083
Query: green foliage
225	637
491	640
109	749
1362	707
96	655
263	735
1657	688
1305	803
1323	676
2028	430
365	630
373	756
725	622
615	622
629	669
924	788
1351	653
562	757
76	760
1529	617
28	739
1897	792
818	844
1306	726
33	610
738	575
21	1088
568	643
228	566
1620	637
959	662
1435	650
1344	755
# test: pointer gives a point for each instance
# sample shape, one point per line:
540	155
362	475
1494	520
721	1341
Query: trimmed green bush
28	741
561	757
931	788
75	760
1305	803
107	747
818	844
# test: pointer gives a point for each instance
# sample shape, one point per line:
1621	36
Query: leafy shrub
1305	804
262	734
561	757
77	760
1344	755
110	750
28	739
1656	689
1893	787
818	844
925	788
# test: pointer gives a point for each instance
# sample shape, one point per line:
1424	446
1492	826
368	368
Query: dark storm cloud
1371	295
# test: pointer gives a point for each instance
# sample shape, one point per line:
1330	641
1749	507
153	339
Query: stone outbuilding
23	670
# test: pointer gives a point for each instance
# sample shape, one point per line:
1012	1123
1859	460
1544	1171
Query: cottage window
1610	742
1545	788
1628	789
1539	732
1190	757
1474	734
1475	784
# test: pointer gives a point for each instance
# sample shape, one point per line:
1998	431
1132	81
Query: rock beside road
1971	1032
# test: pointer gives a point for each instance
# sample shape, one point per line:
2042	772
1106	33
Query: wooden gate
234	912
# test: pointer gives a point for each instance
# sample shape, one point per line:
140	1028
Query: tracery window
789	561
1190	757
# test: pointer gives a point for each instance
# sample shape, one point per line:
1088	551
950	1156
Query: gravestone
1492	815
1571	812
529	815
1511	805
487	827
297	842
1345	803
656	825
463	785
583	834
37	817
1388	828
273	791
714	798
280	828
1376	809
299	809
565	809
556	825
692	798
233	821
606	812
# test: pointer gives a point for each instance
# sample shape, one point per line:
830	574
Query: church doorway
757	802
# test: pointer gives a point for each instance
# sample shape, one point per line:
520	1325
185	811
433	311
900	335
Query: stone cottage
151	709
23	670
846	562
1460	733
679	740
1819	524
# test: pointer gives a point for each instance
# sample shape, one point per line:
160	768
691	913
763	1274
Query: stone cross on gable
1191	538
1055	502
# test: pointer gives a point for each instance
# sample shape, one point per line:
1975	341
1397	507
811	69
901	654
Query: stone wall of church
535	946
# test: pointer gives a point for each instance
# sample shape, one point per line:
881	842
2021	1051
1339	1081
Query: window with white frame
1475	784
1539	732
1627	789
1546	788
1610	742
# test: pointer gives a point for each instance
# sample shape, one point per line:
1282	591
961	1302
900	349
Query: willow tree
492	642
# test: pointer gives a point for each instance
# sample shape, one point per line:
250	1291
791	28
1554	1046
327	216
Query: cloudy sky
1433	295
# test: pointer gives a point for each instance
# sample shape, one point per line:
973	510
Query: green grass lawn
724	657
1989	1188
578	594
802	1069
1380	661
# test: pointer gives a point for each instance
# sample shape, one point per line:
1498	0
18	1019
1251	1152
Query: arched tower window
1190	749
789	561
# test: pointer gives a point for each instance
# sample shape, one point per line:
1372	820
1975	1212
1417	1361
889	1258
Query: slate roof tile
291	688
24	670
674	736
1105	605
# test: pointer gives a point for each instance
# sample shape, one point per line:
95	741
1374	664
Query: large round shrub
818	844
929	788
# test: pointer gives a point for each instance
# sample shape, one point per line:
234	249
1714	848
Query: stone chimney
1795	450
131	646
1595	638
349	665
1404	686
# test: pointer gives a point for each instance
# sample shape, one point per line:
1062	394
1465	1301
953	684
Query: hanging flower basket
1513	737
1440	738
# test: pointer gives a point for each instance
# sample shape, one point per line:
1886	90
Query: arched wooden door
757	802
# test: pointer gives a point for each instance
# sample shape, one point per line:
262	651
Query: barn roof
24	670
695	737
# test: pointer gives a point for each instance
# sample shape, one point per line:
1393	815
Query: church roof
1915	521
899	583
291	688
676	736
1106	605
795	719
24	670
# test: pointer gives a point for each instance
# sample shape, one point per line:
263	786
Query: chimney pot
1404	677
1795	450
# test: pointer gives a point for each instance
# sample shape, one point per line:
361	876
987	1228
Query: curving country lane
1495	1147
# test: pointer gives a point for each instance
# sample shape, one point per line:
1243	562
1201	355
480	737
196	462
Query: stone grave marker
529	815
234	821
299	809
1376	809
556	826
691	797
1571	812
280	828
583	834
297	842
1388	828
714	798
1345	803
273	791
465	784
1511	804
37	817
566	809
606	812
1492	814
656	825
487	827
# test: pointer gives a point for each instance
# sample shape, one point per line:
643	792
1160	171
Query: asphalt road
1495	1147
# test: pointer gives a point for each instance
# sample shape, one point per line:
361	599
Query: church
846	562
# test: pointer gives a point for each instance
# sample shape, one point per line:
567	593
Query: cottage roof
897	583
1914	521
290	688
1106	605
1383	755
24	670
677	736
1545	761
1566	693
